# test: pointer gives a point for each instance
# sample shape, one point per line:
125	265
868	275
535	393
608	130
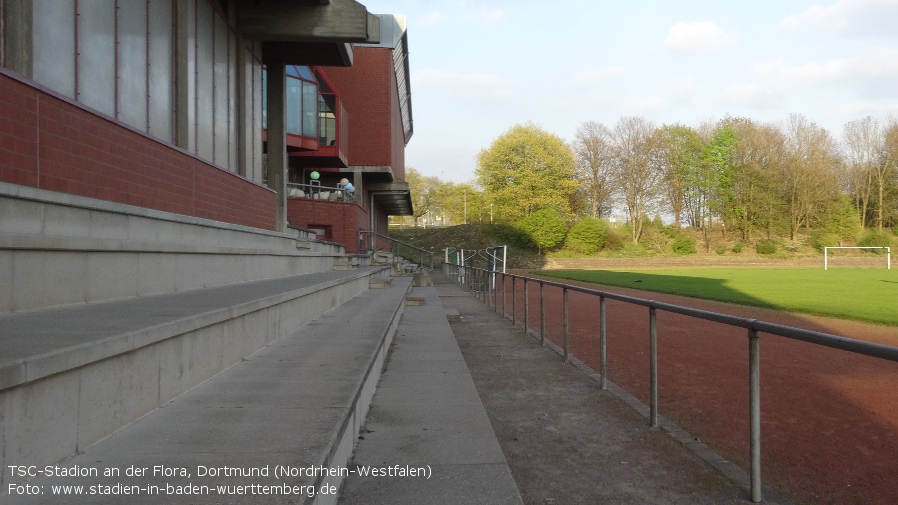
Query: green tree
808	179
424	191
842	220
527	169
587	235
637	172
718	158
460	203
545	227
758	155
682	148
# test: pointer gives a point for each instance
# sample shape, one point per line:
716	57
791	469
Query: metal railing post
542	312
483	280
653	367
603	340
504	303
754	387
514	302
526	305
567	337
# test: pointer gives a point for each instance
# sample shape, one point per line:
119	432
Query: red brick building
372	109
164	105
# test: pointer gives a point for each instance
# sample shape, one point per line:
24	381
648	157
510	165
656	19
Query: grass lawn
863	294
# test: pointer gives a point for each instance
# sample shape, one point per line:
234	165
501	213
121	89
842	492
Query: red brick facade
368	90
342	220
55	144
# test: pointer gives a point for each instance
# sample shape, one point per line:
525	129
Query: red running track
829	418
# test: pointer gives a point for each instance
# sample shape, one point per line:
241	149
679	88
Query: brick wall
344	219
367	90
55	144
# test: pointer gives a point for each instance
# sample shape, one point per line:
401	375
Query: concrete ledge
41	343
299	401
58	249
379	282
415	300
72	376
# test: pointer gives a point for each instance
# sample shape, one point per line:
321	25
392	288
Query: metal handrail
425	257
315	192
477	280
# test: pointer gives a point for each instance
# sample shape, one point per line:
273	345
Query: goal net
857	257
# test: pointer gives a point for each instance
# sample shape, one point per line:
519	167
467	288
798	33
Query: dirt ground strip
567	441
829	418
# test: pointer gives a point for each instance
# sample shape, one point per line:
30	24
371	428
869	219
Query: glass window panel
54	45
294	106
305	73
291	70
258	105
191	65
327	119
221	92
160	73
96	54
264	83
309	109
233	100
248	112
204	81
132	68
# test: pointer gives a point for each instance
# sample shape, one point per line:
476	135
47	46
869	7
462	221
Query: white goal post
826	254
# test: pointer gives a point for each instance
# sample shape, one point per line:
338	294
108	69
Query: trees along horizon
791	179
527	169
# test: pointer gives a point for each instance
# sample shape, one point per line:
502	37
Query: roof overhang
307	32
395	197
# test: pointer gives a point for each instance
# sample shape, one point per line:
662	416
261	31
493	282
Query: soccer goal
826	253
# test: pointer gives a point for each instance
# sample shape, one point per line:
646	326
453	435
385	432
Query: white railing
319	192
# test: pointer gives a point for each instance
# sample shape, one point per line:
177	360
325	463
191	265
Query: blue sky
479	68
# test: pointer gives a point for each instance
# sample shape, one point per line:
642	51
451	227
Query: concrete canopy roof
394	197
307	32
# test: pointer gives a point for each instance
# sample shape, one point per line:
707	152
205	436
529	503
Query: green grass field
861	294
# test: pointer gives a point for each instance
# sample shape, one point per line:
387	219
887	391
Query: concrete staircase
109	312
150	358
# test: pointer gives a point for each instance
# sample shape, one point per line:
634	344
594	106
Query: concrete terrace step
71	376
427	417
296	404
39	343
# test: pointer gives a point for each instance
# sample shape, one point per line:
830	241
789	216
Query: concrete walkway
567	441
427	415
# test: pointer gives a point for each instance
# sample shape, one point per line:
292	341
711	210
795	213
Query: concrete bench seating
58	249
71	376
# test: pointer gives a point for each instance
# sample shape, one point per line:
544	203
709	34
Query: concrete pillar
16	45
277	138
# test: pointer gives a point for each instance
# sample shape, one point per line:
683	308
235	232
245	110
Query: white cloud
874	70
697	37
848	17
751	96
597	76
482	84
